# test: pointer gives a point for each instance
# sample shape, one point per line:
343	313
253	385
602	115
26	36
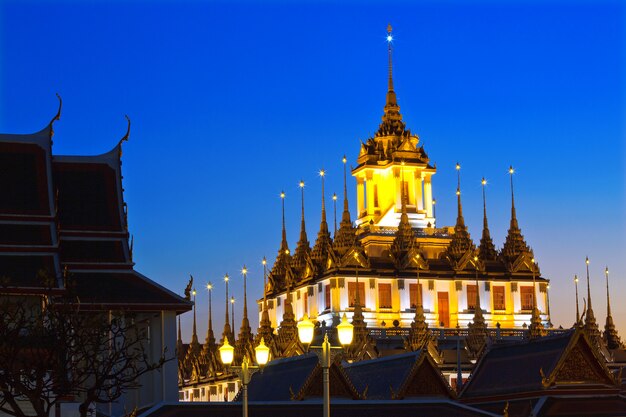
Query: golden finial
226	278
301	184
264	261
232	299
511	170
282	194
193	292
335	196
209	286
244	270
344	159
322	172
483	181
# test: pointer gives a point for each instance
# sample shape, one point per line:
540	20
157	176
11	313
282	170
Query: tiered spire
590	319
363	345
536	328
486	250
611	338
244	347
303	250
287	339
279	272
194	350
392	119
477	335
265	331
345	237
180	352
227	333
514	245
404	240
419	333
319	254
209	350
461	247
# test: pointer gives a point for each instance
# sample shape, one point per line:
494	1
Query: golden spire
459	219
244	272
513	215
232	305
323	241
298	261
392	119
536	326
514	244
611	338
283	244
194	335
345	238
227	332
487	250
590	320
210	337
335	213
577	309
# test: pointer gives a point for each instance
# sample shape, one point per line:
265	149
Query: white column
418	192
428	197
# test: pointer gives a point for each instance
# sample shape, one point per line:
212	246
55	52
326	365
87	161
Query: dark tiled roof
281	378
25	234
25	270
88	197
23	179
92	251
515	367
381	376
596	406
341	408
124	289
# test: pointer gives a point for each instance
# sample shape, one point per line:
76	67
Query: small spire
487	250
194	333
513	214
210	338
298	262
283	244
232	306
244	272
323	241
227	333
281	265
577	309
345	238
590	319
335	214
460	222
611	338
536	328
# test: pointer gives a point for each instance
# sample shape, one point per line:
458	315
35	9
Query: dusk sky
232	103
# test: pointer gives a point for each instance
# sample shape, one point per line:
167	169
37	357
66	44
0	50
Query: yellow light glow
532	260
226	278
511	170
194	292
587	261
264	261
232	300
434	201
417	256
575	278
286	251
344	160
262	353
458	192
458	166
227	352
548	286
305	330
334	197
345	330
475	258
282	194
322	172
244	270
209	286
389	38
301	184
484	181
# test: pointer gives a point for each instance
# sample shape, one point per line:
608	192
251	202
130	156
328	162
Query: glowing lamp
458	166
511	170
575	278
194	292
483	182
334	197
232	300
264	261
209	286
244	270
305	330
282	194
587	261
345	330
227	352
322	172
389	38
475	258
344	160
226	278
301	184
262	353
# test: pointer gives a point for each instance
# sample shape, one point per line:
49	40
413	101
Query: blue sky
231	103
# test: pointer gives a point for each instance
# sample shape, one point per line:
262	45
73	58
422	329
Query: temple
400	255
64	225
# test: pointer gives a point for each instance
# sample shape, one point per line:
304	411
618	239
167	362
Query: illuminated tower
378	173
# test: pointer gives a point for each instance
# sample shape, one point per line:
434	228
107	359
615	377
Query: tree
50	351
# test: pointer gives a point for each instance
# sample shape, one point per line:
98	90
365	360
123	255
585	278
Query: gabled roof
412	374
537	365
297	378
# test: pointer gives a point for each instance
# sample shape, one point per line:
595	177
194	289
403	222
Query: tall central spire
392	119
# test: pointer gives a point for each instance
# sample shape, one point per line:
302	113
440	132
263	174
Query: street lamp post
227	354
345	331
